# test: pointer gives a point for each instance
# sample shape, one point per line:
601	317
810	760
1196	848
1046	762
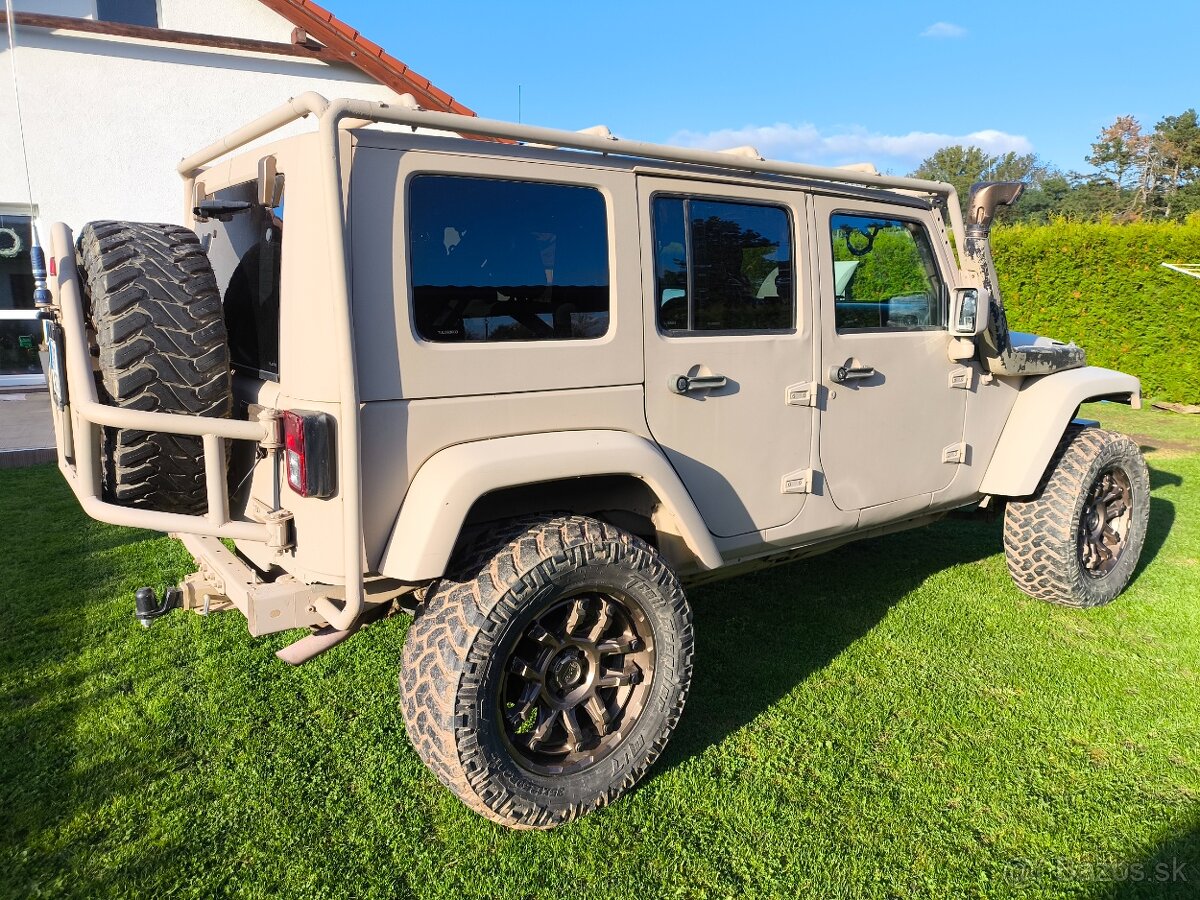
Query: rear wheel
156	311
545	678
1077	541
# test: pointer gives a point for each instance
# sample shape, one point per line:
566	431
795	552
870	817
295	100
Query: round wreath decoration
13	247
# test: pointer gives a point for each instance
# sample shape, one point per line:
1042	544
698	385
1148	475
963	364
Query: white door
892	427
727	331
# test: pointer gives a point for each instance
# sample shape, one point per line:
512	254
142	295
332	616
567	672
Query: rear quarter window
498	260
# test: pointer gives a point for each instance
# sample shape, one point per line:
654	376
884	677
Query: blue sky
818	82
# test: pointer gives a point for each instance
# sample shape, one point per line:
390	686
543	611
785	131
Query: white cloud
944	30
807	143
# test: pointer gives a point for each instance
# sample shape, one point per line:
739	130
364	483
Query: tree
963	166
1087	200
1175	144
1024	167
1137	174
1047	197
1123	160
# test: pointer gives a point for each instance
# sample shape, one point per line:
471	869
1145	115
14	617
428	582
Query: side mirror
968	317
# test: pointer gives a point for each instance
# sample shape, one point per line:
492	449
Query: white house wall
79	9
235	18
107	119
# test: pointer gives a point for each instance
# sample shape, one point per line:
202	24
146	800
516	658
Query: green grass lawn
892	719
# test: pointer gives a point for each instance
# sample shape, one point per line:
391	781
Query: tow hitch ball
147	607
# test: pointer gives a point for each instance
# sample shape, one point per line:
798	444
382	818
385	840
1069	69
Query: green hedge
1103	286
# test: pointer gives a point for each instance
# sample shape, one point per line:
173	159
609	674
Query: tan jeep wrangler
532	383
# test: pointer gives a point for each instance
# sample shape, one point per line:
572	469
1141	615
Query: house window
20	330
128	12
495	260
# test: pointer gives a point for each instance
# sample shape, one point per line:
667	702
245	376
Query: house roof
349	45
318	35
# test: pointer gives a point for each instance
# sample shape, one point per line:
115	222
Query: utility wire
37	257
12	55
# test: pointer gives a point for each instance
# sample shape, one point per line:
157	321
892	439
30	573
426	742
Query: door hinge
955	453
198	196
798	482
962	378
802	394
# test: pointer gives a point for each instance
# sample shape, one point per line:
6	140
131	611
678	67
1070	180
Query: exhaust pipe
1007	352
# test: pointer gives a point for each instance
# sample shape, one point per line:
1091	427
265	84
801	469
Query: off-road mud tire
1042	532
457	645
156	311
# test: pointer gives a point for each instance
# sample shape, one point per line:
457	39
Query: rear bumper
222	578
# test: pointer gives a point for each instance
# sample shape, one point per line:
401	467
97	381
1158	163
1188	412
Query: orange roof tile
344	42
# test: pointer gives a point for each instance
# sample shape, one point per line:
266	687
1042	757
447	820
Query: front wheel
544	678
1077	541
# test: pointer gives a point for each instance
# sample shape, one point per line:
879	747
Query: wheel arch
470	482
1044	408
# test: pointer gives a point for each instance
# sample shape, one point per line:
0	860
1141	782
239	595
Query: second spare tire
156	311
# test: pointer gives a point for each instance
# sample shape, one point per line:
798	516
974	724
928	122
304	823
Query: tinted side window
885	275
722	266
507	260
671	289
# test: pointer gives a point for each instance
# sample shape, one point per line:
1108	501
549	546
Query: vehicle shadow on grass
759	636
1171	869
1162	519
1160	478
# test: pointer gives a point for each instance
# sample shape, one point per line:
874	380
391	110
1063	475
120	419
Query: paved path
25	425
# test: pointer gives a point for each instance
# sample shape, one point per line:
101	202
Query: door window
722	266
885	275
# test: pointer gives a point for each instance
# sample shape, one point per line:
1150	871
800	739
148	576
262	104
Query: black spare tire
156	311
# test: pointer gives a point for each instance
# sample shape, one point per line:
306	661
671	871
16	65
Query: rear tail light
308	453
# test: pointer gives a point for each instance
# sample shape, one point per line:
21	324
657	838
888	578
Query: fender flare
1044	408
449	482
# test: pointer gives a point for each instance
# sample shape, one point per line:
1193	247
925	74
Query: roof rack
342	614
407	112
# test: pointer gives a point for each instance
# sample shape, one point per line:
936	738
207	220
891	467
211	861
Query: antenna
12	56
37	259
